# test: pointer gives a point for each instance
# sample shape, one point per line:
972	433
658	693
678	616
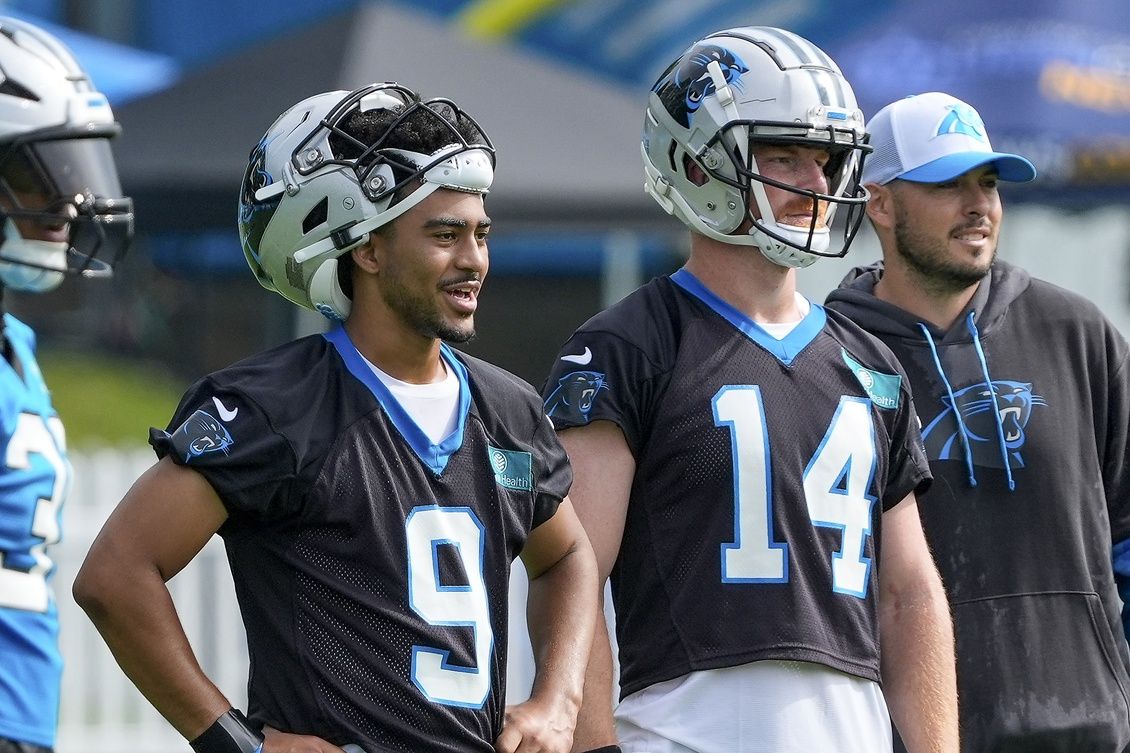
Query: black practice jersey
371	566
762	470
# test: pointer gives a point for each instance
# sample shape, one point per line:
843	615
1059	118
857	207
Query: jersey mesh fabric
662	361
320	485
30	488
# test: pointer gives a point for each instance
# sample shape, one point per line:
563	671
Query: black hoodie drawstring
953	404
993	394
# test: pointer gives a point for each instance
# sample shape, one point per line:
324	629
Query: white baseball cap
933	138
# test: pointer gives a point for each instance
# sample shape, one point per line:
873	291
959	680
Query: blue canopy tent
121	73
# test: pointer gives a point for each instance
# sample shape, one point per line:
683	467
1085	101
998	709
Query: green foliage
106	401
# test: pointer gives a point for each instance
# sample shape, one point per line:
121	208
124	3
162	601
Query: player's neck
931	301
745	279
407	356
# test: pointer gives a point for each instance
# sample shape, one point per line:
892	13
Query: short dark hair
417	130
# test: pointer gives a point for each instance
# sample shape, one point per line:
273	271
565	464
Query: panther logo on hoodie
1014	403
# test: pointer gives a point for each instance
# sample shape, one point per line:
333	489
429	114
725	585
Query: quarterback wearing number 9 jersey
393	550
372	485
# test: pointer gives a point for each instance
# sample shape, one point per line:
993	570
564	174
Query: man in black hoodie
1023	394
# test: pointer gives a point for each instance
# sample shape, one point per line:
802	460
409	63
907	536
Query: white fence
101	710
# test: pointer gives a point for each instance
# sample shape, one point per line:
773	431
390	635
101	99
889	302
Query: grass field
107	401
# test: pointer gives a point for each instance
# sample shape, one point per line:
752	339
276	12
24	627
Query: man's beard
422	315
928	259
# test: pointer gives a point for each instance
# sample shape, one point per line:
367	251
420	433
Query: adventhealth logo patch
512	468
883	389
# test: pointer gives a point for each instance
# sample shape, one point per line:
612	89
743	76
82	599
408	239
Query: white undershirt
760	707
781	330
433	407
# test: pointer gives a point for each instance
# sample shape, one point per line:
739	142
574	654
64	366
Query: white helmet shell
734	88
312	192
56	168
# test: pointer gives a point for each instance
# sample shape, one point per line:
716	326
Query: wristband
231	733
606	749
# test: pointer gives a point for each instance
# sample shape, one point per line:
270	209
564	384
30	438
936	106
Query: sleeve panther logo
1014	403
201	434
574	396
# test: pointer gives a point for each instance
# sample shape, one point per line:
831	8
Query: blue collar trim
785	350
434	456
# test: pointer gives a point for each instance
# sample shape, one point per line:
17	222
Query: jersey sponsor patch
883	389
199	435
512	468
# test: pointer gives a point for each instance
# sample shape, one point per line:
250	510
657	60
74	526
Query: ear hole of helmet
695	174
316	216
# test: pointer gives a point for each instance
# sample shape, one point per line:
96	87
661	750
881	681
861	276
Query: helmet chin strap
786	250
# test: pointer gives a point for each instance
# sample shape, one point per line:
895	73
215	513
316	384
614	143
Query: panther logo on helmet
253	213
688	81
705	173
61	205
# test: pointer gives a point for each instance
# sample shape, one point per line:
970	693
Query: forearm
919	677
138	621
595	726
561	604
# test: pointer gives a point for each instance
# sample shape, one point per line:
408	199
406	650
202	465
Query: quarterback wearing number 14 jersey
763	467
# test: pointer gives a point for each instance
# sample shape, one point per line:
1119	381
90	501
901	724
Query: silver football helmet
728	91
61	205
315	187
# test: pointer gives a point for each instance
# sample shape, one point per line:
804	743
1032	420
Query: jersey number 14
836	481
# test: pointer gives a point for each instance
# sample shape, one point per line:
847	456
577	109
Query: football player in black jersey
746	461
372	485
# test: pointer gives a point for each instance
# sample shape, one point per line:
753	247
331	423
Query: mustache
469	277
804	206
981	224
